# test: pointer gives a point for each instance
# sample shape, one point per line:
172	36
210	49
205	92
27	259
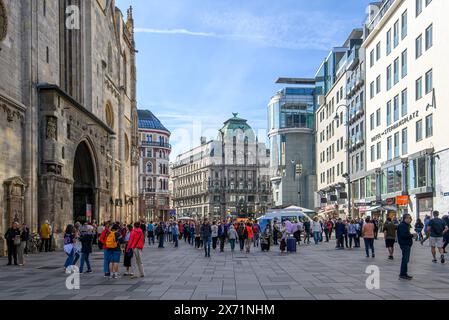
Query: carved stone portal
15	195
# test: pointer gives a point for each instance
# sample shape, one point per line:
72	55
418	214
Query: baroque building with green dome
226	176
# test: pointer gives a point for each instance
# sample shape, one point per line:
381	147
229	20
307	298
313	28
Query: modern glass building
291	125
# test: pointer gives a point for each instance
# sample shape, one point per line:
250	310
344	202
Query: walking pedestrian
106	256
45	233
283	233
241	233
368	236
307	231
113	242
100	232
128	254
352	233
266	238
175	232
339	234
206	234
69	249
389	229
317	230
426	230
405	240
150	233
198	236
256	232
232	236
436	229
214	235
249	236
222	233
160	233
419	226
375	221
136	244
276	232
24	237
13	241
86	239
446	234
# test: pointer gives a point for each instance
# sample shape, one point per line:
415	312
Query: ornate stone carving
3	21
134	155
52	128
11	114
15	195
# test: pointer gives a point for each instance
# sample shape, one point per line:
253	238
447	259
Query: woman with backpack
113	242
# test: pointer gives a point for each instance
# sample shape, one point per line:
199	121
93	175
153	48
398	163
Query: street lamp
347	175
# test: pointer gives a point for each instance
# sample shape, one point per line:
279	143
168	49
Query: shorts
114	256
389	243
437	242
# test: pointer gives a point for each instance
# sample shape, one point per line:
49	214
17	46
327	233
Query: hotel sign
396	125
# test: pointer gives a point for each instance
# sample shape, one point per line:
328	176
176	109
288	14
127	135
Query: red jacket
250	232
181	228
103	237
136	239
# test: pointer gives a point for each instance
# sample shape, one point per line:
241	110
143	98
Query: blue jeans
316	237
207	243
69	260
369	243
176	240
405	259
232	242
106	260
161	241
85	258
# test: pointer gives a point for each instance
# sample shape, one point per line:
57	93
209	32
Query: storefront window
371	186
418	173
392	179
398	178
362	188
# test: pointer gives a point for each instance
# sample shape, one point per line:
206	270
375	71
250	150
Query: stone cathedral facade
68	115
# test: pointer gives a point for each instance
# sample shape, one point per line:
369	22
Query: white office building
406	117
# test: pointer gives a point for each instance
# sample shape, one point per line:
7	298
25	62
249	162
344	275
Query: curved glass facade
292	108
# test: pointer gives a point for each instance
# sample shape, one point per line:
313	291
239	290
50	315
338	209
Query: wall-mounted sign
396	125
402	200
390	201
446	194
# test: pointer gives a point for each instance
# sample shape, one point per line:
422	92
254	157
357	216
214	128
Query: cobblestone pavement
314	273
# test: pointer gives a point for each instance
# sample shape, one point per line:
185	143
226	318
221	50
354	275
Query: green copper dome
236	125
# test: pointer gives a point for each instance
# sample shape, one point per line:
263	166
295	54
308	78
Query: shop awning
375	208
390	208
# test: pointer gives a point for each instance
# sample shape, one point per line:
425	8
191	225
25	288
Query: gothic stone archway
84	185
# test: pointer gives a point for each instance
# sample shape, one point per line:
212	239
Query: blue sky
201	60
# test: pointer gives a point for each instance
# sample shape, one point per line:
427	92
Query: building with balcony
154	164
291	125
407	144
355	96
339	80
222	177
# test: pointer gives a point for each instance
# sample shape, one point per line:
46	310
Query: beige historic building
226	176
155	149
68	116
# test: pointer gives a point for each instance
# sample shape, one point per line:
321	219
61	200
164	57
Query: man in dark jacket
340	230
10	236
405	241
206	234
222	235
